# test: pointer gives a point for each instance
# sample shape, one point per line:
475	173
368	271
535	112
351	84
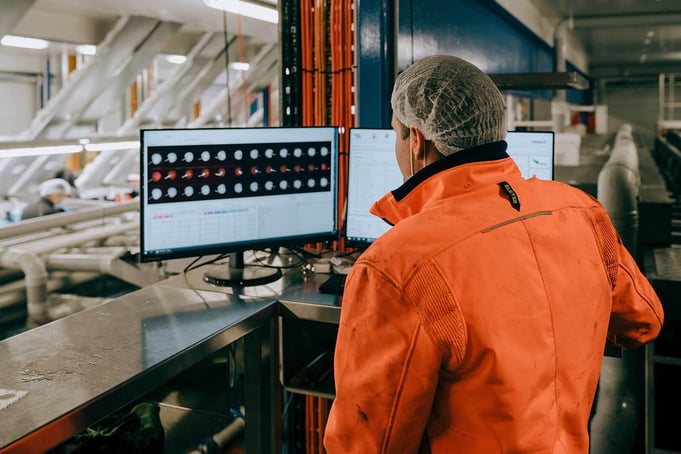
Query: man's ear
417	143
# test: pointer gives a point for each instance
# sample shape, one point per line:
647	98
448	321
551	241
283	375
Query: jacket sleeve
386	370
637	313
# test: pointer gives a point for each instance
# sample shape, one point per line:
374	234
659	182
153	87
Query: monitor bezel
240	246
354	242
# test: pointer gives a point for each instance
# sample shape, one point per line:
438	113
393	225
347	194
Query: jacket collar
446	177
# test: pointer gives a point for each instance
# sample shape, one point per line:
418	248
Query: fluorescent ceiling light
245	9
23	42
105	146
239	66
176	59
39	151
83	145
87	49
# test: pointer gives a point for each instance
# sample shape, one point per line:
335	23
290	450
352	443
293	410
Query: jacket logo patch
510	193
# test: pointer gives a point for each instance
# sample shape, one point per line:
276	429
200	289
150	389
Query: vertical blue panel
479	31
266	106
375	62
489	37
46	94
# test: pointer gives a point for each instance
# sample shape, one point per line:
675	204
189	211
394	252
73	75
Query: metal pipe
222	438
619	399
61	219
618	187
90	261
110	264
15	293
66	240
560	44
27	258
128	240
35	278
559	107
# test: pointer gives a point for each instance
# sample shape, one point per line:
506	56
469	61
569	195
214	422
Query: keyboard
334	285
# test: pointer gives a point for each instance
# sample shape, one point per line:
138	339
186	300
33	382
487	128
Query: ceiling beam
121	81
627	20
60	26
266	68
189	94
627	68
164	90
12	12
540	81
116	50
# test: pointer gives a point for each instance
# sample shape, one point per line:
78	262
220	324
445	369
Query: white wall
18	89
17	101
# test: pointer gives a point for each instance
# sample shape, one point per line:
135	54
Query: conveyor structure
55	252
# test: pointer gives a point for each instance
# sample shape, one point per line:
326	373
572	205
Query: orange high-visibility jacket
478	323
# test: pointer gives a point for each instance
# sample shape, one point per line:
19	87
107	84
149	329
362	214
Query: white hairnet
55	186
451	101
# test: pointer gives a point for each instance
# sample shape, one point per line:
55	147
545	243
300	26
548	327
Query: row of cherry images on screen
187	173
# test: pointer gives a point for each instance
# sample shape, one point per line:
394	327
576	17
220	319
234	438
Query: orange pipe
197	109
71	62
133	98
320	424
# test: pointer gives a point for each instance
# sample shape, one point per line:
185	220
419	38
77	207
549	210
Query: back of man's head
55	186
451	101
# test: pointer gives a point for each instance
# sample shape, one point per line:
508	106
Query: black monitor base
242	277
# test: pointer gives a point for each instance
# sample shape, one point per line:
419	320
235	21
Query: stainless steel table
77	370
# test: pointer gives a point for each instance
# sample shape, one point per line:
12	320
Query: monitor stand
236	274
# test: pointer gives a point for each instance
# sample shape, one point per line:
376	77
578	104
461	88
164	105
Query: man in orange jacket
477	324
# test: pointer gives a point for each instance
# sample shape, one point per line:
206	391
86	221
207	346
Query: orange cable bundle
322	416
321	70
339	105
306	61
333	22
327	43
314	63
348	54
346	83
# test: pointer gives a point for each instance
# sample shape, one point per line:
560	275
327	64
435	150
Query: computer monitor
223	190
533	152
372	172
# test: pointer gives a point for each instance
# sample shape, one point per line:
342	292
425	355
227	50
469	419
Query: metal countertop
81	368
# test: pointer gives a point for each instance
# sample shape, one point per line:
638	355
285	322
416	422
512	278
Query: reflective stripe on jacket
477	324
